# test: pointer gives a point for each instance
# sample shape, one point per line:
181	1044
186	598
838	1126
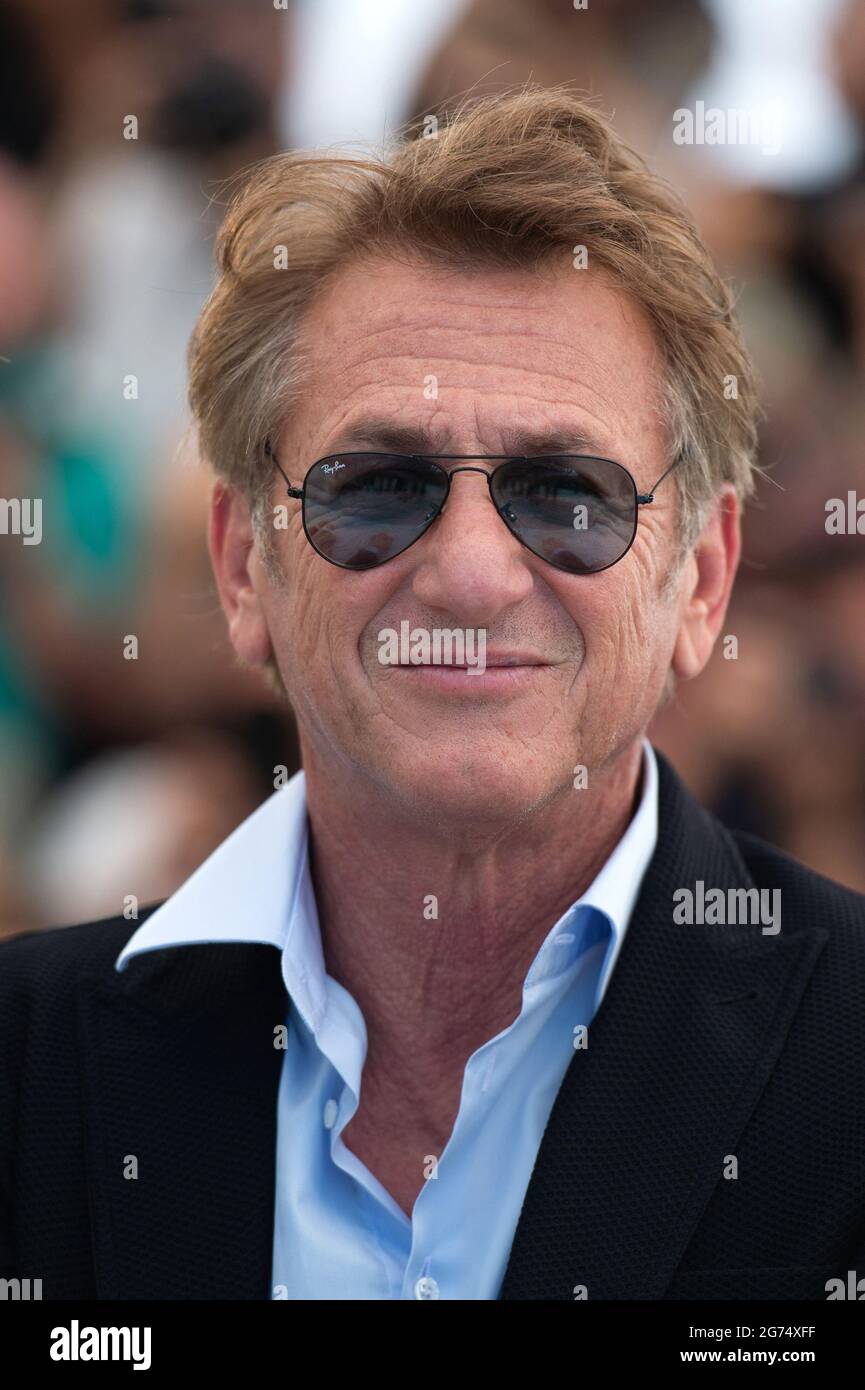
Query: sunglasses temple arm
292	491
649	496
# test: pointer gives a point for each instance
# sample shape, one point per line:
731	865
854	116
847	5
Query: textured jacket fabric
709	1142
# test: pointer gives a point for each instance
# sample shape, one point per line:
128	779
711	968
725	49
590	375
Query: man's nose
468	563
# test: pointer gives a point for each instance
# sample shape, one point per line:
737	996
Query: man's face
473	360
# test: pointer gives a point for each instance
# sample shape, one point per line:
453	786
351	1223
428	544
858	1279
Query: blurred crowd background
120	776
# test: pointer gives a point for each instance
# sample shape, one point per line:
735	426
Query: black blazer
712	1041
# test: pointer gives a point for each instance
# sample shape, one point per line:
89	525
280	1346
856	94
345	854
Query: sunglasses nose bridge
470	468
504	511
467	468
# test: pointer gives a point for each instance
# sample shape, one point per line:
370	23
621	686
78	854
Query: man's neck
433	935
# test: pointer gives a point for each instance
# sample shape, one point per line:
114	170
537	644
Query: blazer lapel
684	1042
180	1081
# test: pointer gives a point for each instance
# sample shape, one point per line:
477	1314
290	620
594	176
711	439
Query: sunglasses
577	513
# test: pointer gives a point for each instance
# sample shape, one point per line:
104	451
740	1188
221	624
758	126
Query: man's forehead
407	357
416	301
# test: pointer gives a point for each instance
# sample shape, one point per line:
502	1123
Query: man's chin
467	792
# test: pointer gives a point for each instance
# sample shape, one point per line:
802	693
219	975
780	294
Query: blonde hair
506	181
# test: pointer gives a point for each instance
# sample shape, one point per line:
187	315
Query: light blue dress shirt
338	1233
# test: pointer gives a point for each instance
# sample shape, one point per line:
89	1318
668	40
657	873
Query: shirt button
330	1111
426	1288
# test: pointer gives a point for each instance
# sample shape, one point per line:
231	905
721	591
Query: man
477	509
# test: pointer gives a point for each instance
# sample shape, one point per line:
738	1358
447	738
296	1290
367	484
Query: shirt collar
614	891
246	890
257	887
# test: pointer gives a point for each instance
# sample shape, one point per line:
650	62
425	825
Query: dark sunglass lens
362	509
577	514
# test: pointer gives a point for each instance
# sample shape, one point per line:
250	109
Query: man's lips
497	659
503	675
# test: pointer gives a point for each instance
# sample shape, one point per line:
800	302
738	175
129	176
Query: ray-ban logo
331	467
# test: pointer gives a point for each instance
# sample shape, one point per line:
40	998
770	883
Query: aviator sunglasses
576	512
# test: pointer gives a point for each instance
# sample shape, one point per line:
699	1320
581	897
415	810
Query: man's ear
239	574
711	568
